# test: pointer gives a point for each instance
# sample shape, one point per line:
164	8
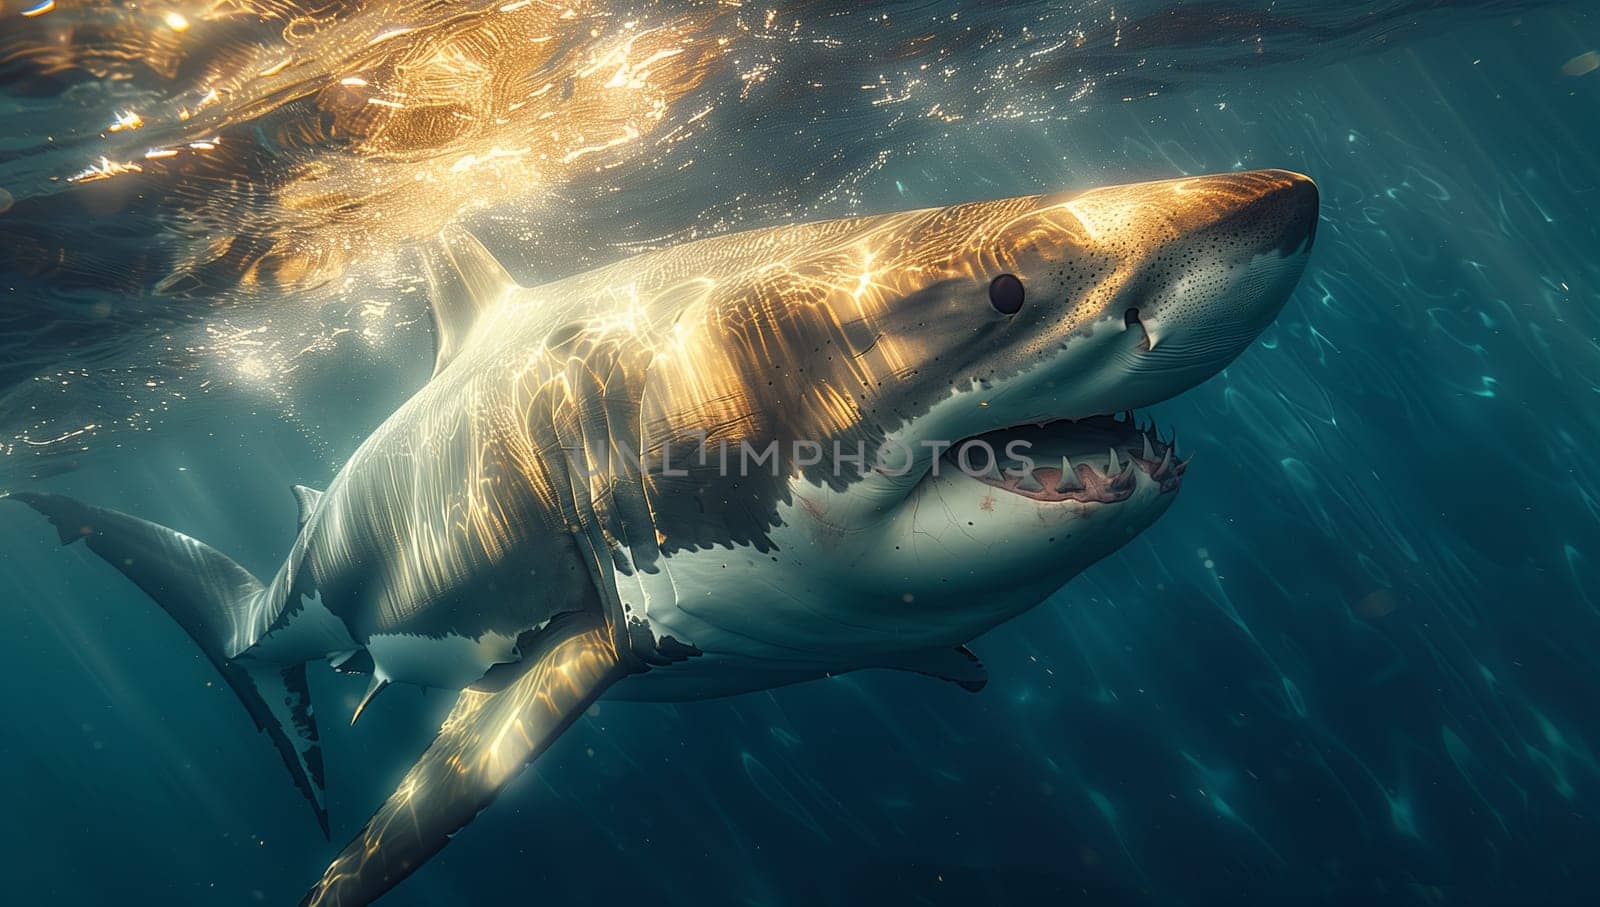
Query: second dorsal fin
464	281
307	498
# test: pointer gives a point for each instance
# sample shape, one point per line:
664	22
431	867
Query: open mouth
1097	459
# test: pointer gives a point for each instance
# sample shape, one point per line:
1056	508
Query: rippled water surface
1355	662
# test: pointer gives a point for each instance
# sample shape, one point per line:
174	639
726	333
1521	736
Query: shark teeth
1069	480
1125	479
1133	449
1166	463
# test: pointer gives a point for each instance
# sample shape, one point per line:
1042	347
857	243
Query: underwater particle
5	201
126	119
1377	604
1582	64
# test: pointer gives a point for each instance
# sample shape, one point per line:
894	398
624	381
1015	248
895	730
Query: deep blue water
1355	663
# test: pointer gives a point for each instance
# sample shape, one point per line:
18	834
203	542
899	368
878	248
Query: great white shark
733	464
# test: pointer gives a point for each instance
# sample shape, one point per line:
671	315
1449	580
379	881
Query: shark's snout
1278	205
1301	203
1161	285
1212	289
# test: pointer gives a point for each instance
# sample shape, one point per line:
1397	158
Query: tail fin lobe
307	500
214	600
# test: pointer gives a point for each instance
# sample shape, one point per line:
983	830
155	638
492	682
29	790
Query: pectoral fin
958	665
483	744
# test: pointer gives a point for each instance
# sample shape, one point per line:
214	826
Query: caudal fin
214	600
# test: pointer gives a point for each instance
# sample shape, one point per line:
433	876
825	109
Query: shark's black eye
1005	294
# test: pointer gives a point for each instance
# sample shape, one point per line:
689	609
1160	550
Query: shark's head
1016	328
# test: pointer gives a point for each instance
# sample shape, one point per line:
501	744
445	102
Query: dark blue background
1356	660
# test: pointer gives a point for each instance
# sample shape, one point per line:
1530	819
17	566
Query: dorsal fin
308	499
464	281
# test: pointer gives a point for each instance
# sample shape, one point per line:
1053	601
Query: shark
728	465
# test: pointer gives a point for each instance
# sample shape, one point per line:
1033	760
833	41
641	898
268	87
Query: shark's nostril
1131	317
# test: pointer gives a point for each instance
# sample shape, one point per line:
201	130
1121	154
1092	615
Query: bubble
1582	64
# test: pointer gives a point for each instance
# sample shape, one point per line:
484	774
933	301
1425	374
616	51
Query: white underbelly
448	662
788	610
311	632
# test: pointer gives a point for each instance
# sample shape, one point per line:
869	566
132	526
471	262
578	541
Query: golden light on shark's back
567	508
